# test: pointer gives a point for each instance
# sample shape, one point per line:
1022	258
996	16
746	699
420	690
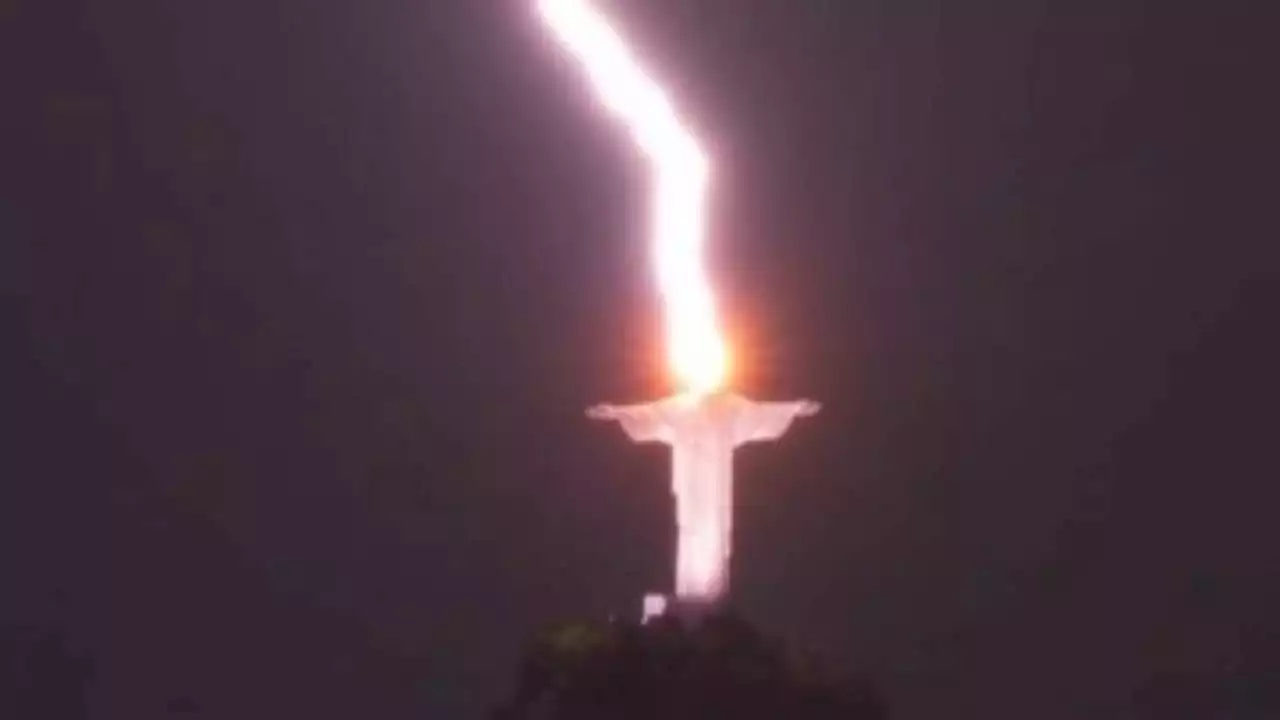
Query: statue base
689	611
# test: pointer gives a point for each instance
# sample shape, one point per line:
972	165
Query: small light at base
654	606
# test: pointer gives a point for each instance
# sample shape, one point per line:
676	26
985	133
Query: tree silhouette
720	667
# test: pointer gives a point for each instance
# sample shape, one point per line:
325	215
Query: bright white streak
695	347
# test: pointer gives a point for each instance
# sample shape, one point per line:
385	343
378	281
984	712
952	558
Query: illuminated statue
703	431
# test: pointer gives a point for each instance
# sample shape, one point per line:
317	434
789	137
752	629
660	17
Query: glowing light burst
695	347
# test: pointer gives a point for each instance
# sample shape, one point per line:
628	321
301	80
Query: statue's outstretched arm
642	423
769	420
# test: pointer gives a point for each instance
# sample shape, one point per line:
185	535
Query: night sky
303	302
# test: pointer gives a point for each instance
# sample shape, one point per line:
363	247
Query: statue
703	431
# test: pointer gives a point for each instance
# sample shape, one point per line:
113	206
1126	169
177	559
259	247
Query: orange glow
696	350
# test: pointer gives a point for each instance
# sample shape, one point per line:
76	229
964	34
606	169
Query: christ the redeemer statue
703	431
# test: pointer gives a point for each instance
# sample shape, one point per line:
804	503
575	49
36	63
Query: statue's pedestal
687	611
